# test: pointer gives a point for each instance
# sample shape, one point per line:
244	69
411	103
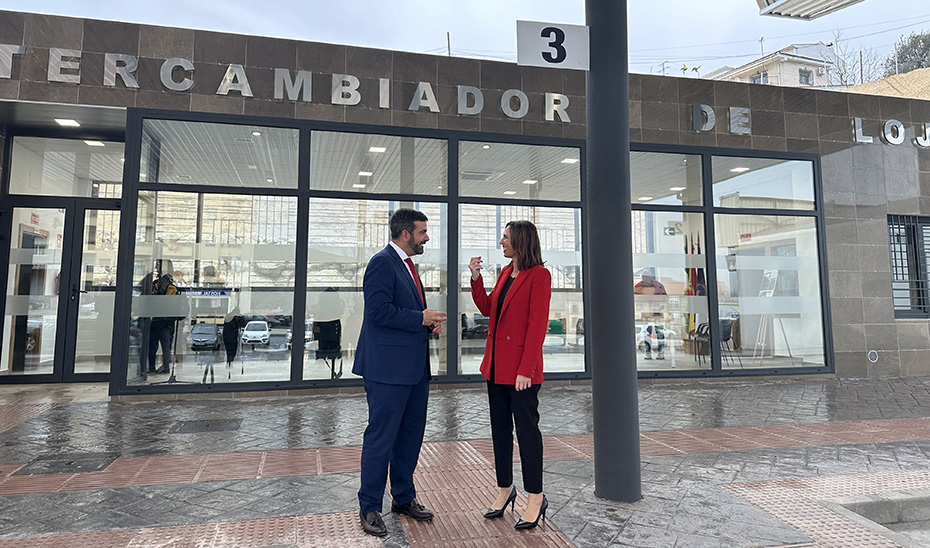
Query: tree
852	66
910	53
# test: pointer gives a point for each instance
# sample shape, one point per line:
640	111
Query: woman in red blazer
518	309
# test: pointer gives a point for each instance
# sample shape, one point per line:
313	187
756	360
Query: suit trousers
510	407
396	424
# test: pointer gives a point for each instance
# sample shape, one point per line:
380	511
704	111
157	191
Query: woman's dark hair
524	239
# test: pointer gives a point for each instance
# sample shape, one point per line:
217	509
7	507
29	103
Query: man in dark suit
393	358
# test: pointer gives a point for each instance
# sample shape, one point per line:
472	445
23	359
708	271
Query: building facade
256	176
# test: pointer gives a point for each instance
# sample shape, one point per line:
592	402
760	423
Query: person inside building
161	330
518	309
651	312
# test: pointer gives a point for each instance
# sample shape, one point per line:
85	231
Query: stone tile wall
212	52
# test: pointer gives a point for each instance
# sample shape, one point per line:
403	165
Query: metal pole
610	261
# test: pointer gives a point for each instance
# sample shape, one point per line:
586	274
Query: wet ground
748	463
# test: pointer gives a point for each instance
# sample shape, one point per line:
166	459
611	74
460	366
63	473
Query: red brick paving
14	415
179	469
325	530
453	479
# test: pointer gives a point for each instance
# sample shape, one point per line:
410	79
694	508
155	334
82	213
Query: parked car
205	336
256	332
308	333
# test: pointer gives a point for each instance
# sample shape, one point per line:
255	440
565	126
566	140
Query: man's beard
417	248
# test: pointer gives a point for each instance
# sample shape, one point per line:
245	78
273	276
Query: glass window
661	178
225	260
384	164
763	183
343	236
97	299
910	263
759	78
499	170
768	290
30	323
670	291
66	167
197	153
560	239
805	77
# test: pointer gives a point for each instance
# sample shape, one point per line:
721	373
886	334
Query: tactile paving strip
14	415
318	531
796	502
459	495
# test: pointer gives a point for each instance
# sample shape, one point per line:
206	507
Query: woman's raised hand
474	264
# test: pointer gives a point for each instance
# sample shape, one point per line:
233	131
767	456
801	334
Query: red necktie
416	279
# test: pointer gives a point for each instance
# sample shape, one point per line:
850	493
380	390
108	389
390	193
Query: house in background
798	65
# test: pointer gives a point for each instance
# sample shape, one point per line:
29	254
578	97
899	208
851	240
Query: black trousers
508	408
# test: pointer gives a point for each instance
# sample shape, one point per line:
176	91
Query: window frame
909	265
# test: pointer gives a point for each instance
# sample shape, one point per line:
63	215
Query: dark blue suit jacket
392	346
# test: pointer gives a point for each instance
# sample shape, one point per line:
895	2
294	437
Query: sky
691	33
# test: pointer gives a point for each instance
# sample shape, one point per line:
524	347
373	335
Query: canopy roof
802	9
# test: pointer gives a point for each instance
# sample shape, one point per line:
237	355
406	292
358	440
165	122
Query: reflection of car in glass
308	333
204	336
272	321
33	333
256	332
668	336
475	327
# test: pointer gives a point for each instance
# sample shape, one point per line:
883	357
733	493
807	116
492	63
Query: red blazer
518	339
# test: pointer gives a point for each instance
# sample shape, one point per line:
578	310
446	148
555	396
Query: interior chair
726	335
329	340
702	342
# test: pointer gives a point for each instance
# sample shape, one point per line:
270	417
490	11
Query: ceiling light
570	161
256	133
530	182
677	188
739	169
94	143
269	180
377	149
485	147
365	173
67	122
510	192
358	185
644	198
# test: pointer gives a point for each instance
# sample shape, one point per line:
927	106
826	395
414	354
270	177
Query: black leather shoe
163	370
523	525
413	509
372	523
511	500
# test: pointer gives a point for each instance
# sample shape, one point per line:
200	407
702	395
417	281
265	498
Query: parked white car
256	332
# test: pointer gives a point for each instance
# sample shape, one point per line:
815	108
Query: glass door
92	295
60	292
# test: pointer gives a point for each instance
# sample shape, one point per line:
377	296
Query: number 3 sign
552	45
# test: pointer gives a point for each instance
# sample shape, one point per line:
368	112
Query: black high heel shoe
511	500
523	525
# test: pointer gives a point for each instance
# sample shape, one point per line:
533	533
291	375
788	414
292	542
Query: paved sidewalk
725	464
